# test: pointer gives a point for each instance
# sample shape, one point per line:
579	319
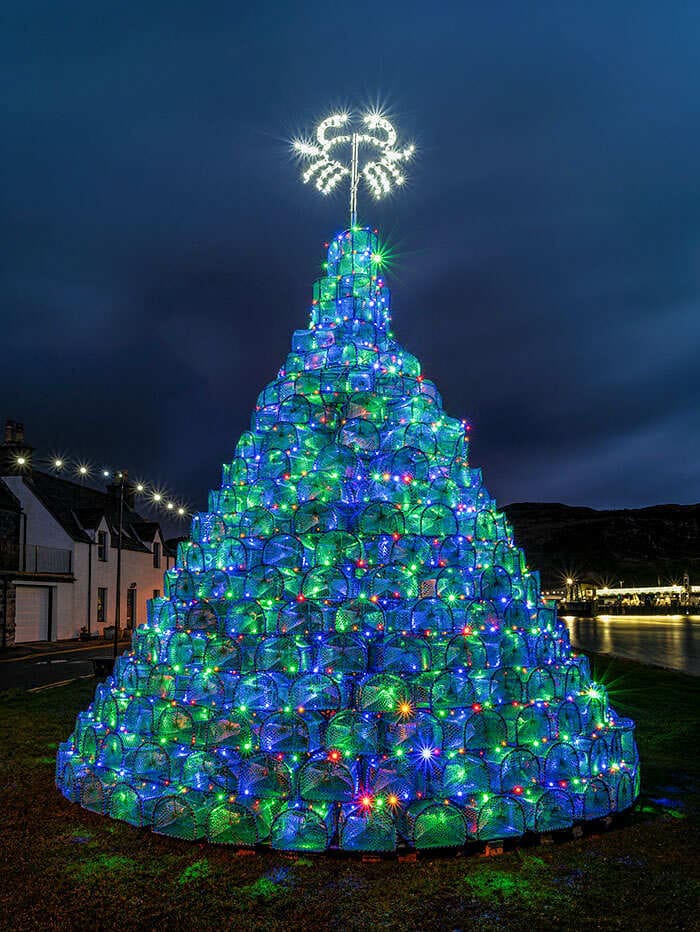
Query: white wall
43	529
136	568
70	600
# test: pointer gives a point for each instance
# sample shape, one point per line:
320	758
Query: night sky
158	248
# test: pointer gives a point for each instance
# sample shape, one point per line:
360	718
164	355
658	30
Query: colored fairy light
341	656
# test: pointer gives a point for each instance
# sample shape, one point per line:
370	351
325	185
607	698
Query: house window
156	593
101	605
156	555
102	546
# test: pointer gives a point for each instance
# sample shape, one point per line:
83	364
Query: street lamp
122	478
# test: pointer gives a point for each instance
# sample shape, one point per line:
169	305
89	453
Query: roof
8	502
79	508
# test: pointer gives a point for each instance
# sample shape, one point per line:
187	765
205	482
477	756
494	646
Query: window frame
102	593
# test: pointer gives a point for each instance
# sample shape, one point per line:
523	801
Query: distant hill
637	545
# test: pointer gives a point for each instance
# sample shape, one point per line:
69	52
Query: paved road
45	668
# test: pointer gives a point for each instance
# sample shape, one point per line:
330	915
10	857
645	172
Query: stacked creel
351	651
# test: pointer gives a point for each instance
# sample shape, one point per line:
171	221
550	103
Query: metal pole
117	601
354	180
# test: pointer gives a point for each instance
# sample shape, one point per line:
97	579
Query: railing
47	560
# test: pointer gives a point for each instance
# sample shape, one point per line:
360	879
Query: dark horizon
159	248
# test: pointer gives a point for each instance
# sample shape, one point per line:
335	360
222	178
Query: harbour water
671	641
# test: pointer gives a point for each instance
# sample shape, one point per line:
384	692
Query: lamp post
122	477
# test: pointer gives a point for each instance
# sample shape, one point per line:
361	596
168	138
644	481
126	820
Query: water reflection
671	641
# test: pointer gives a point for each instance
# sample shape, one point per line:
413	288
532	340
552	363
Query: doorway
131	607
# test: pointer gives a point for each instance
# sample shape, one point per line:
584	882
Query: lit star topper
371	130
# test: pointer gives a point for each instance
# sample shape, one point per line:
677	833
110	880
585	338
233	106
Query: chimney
15	454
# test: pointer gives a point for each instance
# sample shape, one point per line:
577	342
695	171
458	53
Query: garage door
32	614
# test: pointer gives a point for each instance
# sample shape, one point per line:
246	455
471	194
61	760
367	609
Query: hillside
637	545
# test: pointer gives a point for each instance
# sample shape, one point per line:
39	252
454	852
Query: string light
84	471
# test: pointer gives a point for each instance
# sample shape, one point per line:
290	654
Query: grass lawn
62	867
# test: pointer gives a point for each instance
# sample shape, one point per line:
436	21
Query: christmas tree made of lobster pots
351	651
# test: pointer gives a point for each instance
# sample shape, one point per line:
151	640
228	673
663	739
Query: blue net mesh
351	650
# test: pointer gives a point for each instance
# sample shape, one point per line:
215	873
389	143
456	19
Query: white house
58	553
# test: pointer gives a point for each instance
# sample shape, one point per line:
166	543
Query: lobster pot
181	815
257	692
88	736
134	802
184	648
568	719
519	769
541	684
507	685
130	674
383	692
421	734
420	687
485	730
628	748
138	717
205	686
285	733
205	770
264	776
152	762
232	824
533	725
386	778
324	780
162	681
465	777
146	644
175	723
68	773
65	755
233	731
598	800
418	773
554	810
562	763
367	829
304	828
353	733
430	824
222	653
318	691
499	817
94	790
281	654
114	750
623	785
453	726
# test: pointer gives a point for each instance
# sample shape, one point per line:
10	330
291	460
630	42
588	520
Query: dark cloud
158	248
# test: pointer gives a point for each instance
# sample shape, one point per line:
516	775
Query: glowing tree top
340	131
